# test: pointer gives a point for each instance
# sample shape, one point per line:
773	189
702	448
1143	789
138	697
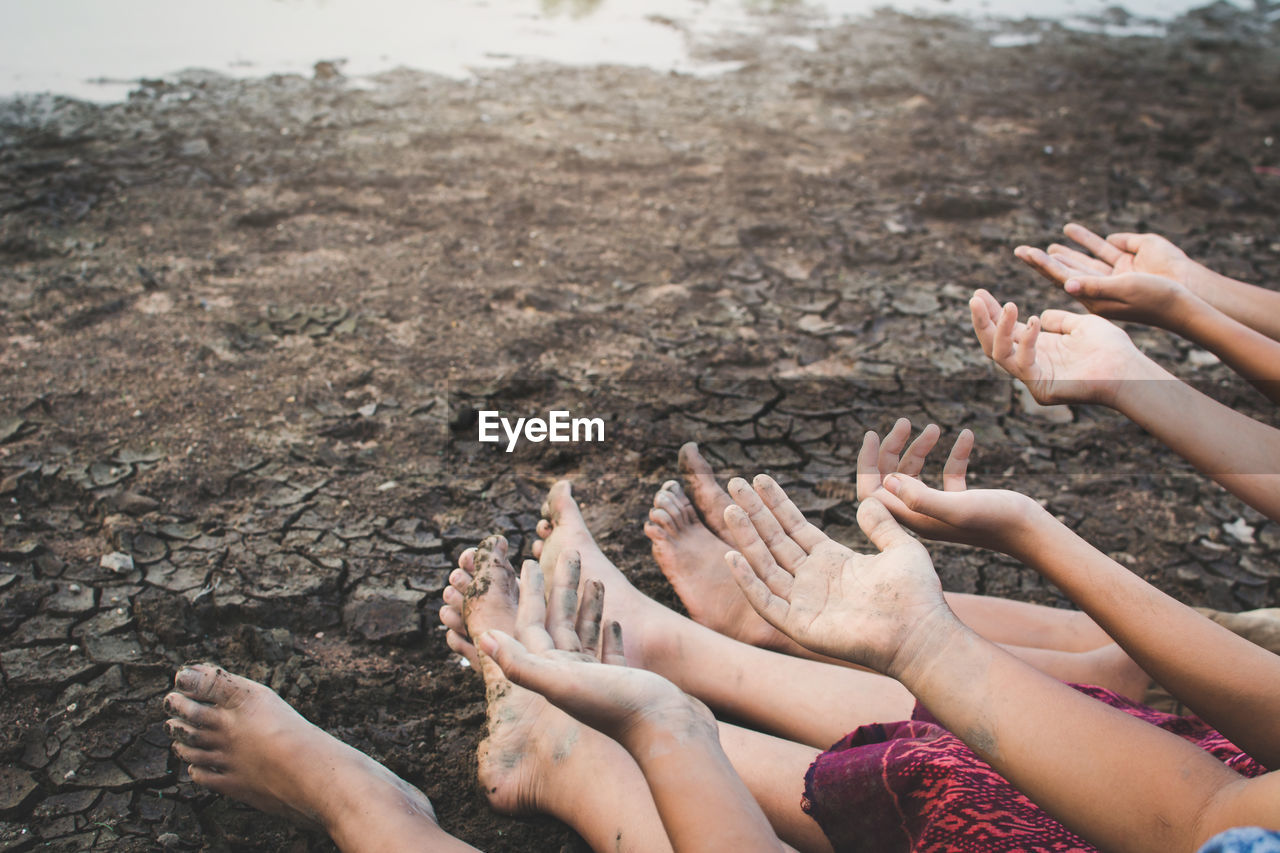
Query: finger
793	522
989	302
957	467
1025	358
531	611
1002	343
868	476
1092	287
922	500
1048	266
882	528
590	611
983	326
1105	252
763	600
612	651
1059	322
562	605
752	548
767	529
1126	242
891	447
1076	260
517	664
913	460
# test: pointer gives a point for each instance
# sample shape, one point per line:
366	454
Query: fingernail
186	679
1072	285
487	644
892	483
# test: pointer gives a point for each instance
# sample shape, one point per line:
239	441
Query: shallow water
95	50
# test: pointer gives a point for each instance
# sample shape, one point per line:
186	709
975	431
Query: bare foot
244	741
692	559
709	498
526	734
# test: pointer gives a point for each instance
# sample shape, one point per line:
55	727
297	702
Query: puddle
96	51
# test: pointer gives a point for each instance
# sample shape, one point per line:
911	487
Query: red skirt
914	786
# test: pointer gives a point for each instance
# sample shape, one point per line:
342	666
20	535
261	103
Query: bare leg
688	559
774	771
802	700
244	741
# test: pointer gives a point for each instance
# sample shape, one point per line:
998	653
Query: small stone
1241	531
117	561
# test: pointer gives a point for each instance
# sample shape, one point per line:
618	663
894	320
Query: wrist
1127	384
928	640
673	727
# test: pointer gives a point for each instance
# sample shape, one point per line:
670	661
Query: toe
536	548
543	529
451	618
452	597
460	579
467	560
188	735
190	711
213	685
663	519
462	646
655	533
667	504
197	757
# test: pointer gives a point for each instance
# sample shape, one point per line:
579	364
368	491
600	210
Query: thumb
881	527
916	496
507	652
1086	287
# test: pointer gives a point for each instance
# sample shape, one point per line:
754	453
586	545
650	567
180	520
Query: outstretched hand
1061	357
864	608
986	518
561	652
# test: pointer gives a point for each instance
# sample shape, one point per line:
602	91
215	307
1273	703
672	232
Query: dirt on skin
246	329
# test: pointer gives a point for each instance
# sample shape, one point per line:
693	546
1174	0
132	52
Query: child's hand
1062	357
1139	297
877	460
1125	253
556	656
995	519
863	608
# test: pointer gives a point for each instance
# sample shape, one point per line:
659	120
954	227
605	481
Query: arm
1231	683
1089	765
1074	358
704	805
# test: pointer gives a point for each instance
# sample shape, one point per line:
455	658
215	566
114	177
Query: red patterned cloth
914	786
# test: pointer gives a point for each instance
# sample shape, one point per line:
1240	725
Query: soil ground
246	328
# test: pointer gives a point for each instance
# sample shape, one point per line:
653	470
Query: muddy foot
692	559
244	741
527	736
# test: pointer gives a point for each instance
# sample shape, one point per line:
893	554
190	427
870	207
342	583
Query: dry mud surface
245	328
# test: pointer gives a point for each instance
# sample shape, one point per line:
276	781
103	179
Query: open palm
859	607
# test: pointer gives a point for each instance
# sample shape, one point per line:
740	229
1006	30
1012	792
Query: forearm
1229	682
1255	307
1252	354
1241	454
703	803
1089	765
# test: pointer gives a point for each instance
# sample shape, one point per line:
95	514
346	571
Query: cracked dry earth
246	328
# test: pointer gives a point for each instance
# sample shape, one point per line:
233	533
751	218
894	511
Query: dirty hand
863	608
562	654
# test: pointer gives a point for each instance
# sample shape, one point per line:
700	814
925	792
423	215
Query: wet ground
246	327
